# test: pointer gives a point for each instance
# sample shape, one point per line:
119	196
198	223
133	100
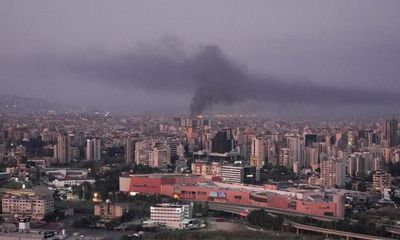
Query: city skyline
210	119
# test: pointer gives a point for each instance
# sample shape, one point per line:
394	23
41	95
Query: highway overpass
331	232
242	209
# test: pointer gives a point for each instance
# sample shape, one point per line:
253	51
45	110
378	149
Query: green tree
265	220
87	190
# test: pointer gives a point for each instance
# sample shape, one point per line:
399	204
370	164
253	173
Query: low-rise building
71	181
200	189
170	215
381	180
34	206
110	210
206	169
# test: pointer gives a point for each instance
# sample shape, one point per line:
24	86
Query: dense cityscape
69	173
199	120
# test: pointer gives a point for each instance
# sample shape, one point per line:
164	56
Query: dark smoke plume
211	76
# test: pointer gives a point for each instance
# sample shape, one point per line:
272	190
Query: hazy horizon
270	57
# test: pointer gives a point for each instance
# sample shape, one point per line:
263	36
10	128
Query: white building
170	215
62	150
295	151
234	174
93	151
160	157
284	158
356	165
60	183
142	149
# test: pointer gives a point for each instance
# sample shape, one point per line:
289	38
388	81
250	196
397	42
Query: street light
95	197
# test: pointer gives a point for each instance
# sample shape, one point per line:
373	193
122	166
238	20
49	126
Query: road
242	209
331	232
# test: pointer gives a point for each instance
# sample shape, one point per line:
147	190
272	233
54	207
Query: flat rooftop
161	175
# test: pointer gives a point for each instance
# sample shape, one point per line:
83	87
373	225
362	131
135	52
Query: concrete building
391	132
130	150
223	141
62	151
257	155
333	173
93	150
284	158
71	181
271	152
160	157
180	151
311	157
206	169
295	146
381	180
109	210
33	206
200	189
142	149
356	165
170	215
238	174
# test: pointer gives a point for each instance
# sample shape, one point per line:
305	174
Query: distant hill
26	105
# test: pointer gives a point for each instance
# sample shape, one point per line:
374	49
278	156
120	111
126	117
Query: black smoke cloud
209	75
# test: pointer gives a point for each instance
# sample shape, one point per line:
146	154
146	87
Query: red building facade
201	189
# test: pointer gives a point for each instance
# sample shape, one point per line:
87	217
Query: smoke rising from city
266	59
211	76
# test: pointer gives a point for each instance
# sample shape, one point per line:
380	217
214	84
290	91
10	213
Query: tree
265	220
87	190
127	216
112	224
56	195
361	186
394	197
348	185
277	173
50	217
81	223
394	169
79	192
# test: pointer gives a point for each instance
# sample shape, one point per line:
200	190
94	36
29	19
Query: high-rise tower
391	135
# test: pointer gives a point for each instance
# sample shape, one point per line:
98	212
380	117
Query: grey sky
350	44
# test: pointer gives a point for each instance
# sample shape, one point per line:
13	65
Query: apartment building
34	206
170	215
381	180
109	210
